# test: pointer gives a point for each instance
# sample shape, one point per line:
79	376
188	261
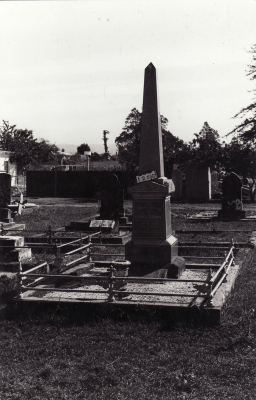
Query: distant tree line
26	151
205	149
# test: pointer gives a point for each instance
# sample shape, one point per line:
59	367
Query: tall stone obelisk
151	148
152	245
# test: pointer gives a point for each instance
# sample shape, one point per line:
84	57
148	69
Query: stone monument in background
232	205
152	245
198	183
5	197
112	199
177	178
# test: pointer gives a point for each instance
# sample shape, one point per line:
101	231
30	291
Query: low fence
210	285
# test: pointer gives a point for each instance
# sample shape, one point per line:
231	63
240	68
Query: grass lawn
68	354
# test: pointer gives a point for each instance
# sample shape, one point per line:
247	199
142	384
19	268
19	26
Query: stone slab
231	215
11	241
18	255
102	223
176	268
198	183
12	226
154	256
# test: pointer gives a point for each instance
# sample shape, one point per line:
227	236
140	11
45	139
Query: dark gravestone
5	190
232	206
112	199
177	180
198	183
176	268
5	197
152	245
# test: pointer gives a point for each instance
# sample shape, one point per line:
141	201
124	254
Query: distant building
7	166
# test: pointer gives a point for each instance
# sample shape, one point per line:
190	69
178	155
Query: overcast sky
71	69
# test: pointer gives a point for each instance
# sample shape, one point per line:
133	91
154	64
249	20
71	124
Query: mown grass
70	353
55	216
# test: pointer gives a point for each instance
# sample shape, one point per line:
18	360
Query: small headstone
232	206
176	268
112	200
232	192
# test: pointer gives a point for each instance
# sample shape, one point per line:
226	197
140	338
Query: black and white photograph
127	200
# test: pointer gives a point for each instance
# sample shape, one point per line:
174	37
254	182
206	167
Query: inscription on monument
148	218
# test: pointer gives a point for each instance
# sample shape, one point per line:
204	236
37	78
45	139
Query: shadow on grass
61	315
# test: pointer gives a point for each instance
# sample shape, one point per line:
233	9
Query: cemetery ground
53	352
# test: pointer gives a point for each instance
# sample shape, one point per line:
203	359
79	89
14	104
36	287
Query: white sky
71	69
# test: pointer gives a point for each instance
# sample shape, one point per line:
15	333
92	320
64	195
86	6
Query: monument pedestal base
5	215
146	258
231	214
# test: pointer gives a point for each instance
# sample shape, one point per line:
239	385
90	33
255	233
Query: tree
26	150
128	142
246	131
82	148
205	149
105	139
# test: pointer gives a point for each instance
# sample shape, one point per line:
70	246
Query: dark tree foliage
27	151
128	142
82	148
96	157
205	149
246	131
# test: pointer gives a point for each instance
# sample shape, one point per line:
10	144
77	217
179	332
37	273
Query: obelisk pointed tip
151	66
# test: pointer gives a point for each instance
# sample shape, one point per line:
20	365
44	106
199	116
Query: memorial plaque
146	177
99	223
148	218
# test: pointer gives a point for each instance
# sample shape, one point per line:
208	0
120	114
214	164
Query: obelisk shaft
151	147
